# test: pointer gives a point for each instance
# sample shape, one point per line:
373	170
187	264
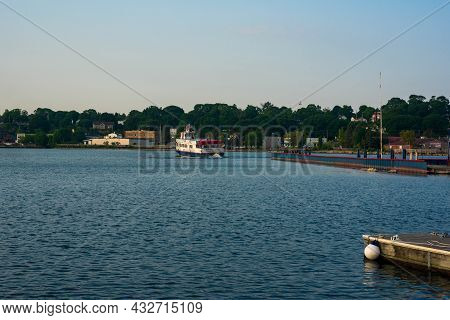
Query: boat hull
197	155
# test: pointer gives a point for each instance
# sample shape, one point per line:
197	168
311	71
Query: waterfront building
272	143
361	119
430	145
287	142
142	138
102	125
20	136
397	144
111	139
173	136
314	142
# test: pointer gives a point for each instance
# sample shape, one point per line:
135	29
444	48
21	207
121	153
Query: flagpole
381	123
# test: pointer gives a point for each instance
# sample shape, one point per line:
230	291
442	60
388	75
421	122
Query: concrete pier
445	170
423	251
421	167
388	165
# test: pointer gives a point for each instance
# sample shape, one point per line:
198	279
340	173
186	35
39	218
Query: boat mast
381	123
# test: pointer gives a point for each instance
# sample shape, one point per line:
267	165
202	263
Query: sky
176	52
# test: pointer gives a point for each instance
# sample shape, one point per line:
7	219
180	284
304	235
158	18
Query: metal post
381	123
448	140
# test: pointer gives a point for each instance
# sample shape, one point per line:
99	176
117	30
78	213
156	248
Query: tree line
344	125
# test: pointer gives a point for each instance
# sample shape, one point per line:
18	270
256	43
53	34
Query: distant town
417	123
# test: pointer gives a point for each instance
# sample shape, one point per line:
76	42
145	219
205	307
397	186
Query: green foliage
39	139
297	138
429	118
435	125
417	114
62	136
15	116
66	135
341	137
408	136
78	136
253	139
28	139
365	112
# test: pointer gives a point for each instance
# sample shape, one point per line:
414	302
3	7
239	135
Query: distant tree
347	111
320	143
348	141
62	136
341	137
435	123
27	139
173	116
14	116
133	120
429	117
297	138
253	138
41	139
418	106
359	137
440	106
40	120
408	136
249	115
78	136
365	112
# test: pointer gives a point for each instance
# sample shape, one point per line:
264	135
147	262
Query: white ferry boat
188	145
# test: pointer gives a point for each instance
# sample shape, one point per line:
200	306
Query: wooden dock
432	169
429	251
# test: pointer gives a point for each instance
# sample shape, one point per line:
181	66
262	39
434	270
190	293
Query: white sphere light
372	252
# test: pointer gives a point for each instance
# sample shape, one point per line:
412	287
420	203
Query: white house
314	142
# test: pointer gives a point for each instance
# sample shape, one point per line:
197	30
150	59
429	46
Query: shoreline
165	148
98	147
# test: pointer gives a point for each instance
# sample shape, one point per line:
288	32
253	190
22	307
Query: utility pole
381	123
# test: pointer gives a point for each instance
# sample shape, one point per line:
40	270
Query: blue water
107	224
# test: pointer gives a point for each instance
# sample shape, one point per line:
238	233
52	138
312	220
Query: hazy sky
236	52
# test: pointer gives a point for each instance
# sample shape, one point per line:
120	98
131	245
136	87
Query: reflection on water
424	283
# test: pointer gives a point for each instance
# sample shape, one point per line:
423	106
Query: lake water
107	224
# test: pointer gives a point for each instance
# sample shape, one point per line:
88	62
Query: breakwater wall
399	165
